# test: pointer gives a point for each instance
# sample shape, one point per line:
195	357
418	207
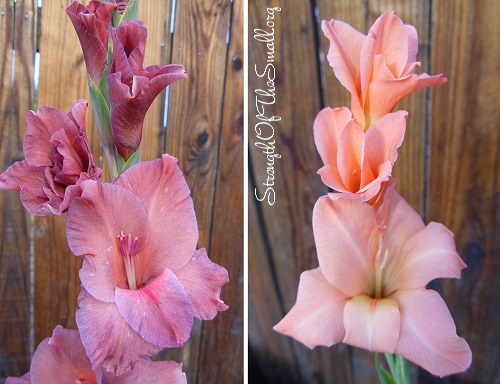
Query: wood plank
464	186
221	350
297	186
156	17
17	26
194	126
273	353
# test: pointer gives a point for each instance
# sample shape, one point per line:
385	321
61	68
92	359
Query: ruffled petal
428	254
166	197
35	185
372	324
40	126
24	379
150	372
93	223
316	317
345	232
108	339
203	281
428	334
160	312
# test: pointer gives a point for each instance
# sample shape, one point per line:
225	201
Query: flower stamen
128	250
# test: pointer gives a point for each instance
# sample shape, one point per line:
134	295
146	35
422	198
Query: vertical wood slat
464	182
221	347
288	226
17	27
156	17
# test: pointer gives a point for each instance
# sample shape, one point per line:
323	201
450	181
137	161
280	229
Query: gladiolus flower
57	160
142	278
62	359
377	69
91	25
369	290
356	163
132	89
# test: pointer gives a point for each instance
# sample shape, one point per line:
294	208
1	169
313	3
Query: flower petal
93	223
372	324
166	197
160	312
328	126
384	138
108	340
151	372
62	353
350	155
24	379
344	232
316	317
383	94
344	53
428	334
402	222
428	254
203	281
39	194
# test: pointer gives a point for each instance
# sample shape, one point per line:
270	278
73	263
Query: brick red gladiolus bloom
142	278
133	88
91	25
62	359
369	290
377	69
57	160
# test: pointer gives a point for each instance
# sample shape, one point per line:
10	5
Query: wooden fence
448	169
38	274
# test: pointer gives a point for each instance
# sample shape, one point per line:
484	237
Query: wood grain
17	26
221	347
286	226
464	182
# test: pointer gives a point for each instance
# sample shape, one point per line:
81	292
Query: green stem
384	376
398	366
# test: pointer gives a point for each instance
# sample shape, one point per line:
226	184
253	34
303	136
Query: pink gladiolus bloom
369	290
62	359
91	25
357	162
133	88
377	69
59	359
142	278
57	160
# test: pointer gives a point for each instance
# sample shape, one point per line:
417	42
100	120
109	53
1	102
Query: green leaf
130	13
384	376
132	160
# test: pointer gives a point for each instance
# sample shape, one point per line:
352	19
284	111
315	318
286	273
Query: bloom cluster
375	254
143	280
